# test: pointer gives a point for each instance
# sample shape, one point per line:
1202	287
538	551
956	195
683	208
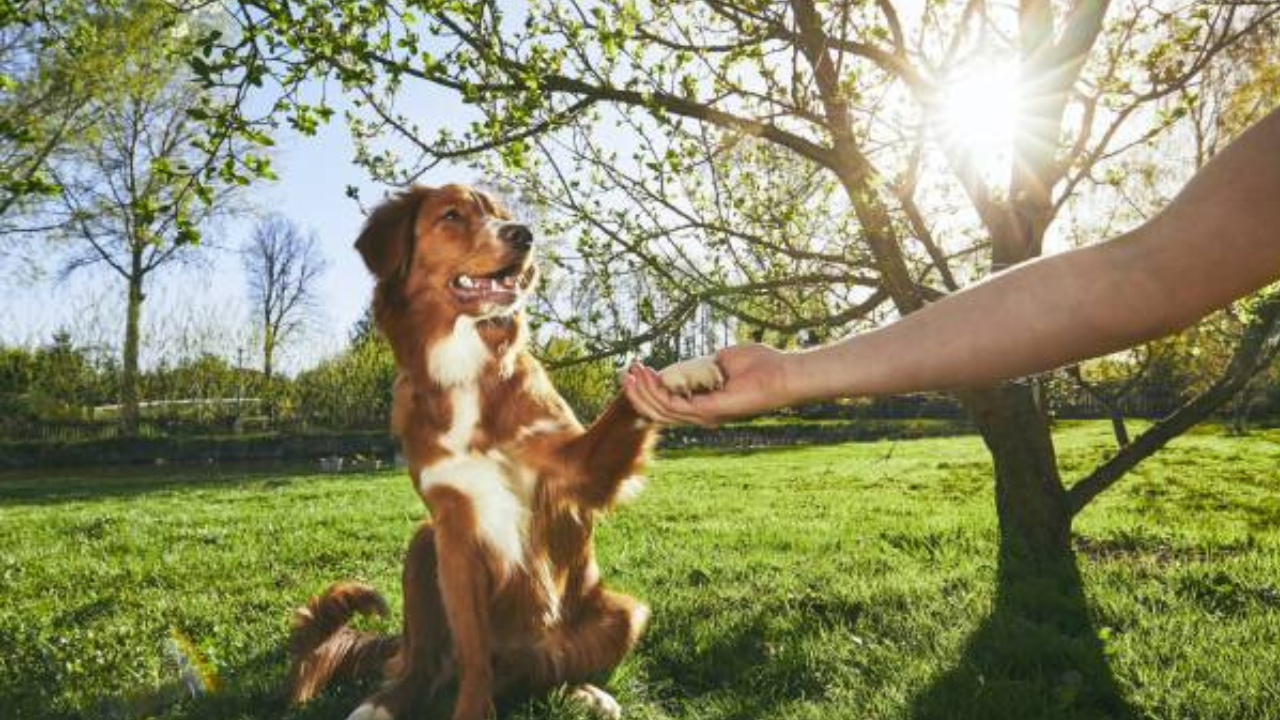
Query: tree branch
1258	347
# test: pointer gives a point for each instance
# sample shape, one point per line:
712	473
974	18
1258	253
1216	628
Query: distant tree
126	195
64	373
16	370
586	386
283	265
349	390
364	330
56	381
204	377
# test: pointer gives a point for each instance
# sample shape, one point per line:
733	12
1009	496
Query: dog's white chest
500	496
464	401
500	490
458	358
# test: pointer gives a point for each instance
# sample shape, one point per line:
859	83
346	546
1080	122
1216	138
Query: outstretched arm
1217	241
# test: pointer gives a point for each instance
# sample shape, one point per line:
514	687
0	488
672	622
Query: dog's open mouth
501	287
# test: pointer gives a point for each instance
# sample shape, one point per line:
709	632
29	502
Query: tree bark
268	350
129	367
1031	503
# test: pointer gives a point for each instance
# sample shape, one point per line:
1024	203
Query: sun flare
979	113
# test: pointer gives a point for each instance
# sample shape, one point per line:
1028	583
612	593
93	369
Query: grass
855	581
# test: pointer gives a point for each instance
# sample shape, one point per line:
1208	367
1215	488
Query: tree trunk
129	365
268	355
1031	503
268	349
1118	428
1242	408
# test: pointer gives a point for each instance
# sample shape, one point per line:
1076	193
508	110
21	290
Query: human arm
1218	240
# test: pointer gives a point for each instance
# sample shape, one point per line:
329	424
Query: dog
502	594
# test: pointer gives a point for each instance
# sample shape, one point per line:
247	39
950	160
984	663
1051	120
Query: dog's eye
452	215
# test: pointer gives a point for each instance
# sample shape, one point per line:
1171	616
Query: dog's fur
502	594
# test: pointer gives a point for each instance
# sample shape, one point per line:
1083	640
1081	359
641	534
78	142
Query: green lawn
855	581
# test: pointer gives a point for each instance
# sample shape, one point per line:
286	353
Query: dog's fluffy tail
323	647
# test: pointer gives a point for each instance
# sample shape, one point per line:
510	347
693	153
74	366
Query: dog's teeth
509	281
465	281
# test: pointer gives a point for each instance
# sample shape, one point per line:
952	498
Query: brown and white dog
502	595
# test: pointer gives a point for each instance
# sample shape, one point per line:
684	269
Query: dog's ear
386	242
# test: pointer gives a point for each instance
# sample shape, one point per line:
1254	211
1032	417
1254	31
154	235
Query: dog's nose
518	236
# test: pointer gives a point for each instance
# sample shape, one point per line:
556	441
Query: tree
52	68
55	382
587	387
283	265
351	389
127	197
793	165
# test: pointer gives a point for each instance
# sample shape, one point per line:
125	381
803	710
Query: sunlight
979	113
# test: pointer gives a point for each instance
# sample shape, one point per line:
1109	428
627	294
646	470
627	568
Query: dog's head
453	249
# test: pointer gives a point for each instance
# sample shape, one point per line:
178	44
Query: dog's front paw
598	702
690	376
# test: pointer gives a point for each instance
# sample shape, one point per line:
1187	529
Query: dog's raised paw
691	376
600	703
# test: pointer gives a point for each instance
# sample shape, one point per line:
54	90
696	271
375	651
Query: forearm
1218	240
1047	313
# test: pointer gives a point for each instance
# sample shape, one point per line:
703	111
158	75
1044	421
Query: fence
204	449
249	419
241	429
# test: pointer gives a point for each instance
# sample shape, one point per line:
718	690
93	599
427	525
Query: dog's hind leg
596	701
589	645
464	582
422	666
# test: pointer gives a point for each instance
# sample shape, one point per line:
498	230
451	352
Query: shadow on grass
53	486
1036	656
253	690
250	690
754	664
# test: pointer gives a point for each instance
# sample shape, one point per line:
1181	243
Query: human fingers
642	398
670	404
652	399
655	397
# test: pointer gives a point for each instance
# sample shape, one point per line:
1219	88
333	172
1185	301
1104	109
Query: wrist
826	373
801	378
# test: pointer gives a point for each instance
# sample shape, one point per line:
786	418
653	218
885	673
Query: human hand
756	379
